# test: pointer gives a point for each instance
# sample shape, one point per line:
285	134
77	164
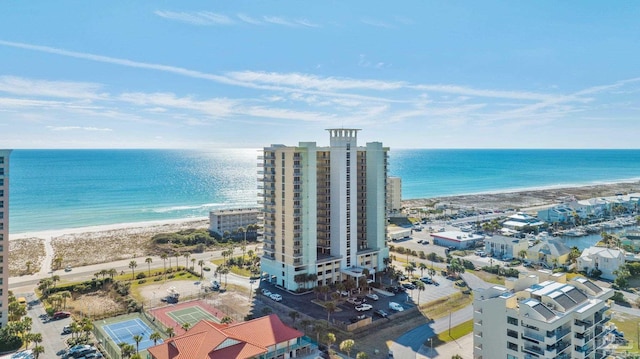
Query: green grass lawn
630	325
442	306
455	333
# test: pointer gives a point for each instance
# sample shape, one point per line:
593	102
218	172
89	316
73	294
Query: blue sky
410	74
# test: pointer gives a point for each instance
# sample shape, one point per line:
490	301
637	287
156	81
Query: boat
576	232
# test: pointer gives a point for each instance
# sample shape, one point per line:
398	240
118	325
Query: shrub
157	279
171	276
142	281
206	269
141	275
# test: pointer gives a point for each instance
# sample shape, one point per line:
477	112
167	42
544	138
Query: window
512	346
512	333
512	321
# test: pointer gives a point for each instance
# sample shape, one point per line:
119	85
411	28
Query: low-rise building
520	220
261	338
505	247
549	252
456	239
606	260
542	316
229	220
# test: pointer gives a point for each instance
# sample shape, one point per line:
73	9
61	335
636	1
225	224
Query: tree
177	255
55	279
362	355
185	326
420	287
347	346
422	267
193	263
201	264
164	257
329	338
226	320
37	350
155	336
57	262
149	260
186	259
170	332
294	315
522	254
223	270
137	338
431	272
64	295
29	264
330	307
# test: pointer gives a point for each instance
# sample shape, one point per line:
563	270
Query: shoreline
53	233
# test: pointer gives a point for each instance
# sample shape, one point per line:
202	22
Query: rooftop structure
457	239
229	220
265	337
542	316
519	220
606	260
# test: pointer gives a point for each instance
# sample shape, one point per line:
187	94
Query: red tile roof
208	339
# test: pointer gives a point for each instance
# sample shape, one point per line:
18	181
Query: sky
409	74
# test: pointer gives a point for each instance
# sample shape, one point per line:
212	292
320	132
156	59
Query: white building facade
606	260
324	210
505	247
4	236
229	220
394	194
542	316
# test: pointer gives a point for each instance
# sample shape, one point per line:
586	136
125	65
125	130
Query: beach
106	243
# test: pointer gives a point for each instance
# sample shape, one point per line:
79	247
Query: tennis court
191	315
123	332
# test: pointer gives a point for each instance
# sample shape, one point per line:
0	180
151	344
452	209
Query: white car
395	306
266	292
276	297
363	307
372	296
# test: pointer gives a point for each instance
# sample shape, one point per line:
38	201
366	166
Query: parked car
276	297
354	300
266	292
67	269
343	293
357	318
395	306
66	330
409	286
426	280
372	296
363	307
60	315
381	313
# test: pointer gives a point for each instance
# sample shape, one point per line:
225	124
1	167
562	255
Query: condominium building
394	194
542	315
4	236
324	210
229	220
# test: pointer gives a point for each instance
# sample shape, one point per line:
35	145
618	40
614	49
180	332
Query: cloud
305	81
248	19
41	88
75	128
278	20
201	18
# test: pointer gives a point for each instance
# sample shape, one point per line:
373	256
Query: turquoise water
54	189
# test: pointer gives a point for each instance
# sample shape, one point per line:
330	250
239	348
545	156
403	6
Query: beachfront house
606	260
505	247
261	338
549	253
561	213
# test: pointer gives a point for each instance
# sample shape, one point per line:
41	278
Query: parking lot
346	313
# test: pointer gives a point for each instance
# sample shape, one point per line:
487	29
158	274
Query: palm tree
294	315
330	307
226	320
37	350
29	264
186	259
148	260
155	336
362	355
347	346
133	265
164	257
193	263
431	271
137	338
185	326
55	279
170	332
422	267
177	255
57	262
420	287
112	273
201	264
64	295
223	270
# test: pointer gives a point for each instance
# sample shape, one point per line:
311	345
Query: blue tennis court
123	332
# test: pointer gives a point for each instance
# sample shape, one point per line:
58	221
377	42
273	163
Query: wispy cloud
78	128
201	18
208	18
59	89
305	81
376	23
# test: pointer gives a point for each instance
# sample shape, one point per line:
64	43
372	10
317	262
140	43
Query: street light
431	343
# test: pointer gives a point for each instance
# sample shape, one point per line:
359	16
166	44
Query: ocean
57	189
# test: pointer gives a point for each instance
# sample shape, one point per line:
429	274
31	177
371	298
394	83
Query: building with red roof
261	338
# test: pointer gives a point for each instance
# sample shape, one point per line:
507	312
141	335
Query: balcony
533	336
580	326
533	349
